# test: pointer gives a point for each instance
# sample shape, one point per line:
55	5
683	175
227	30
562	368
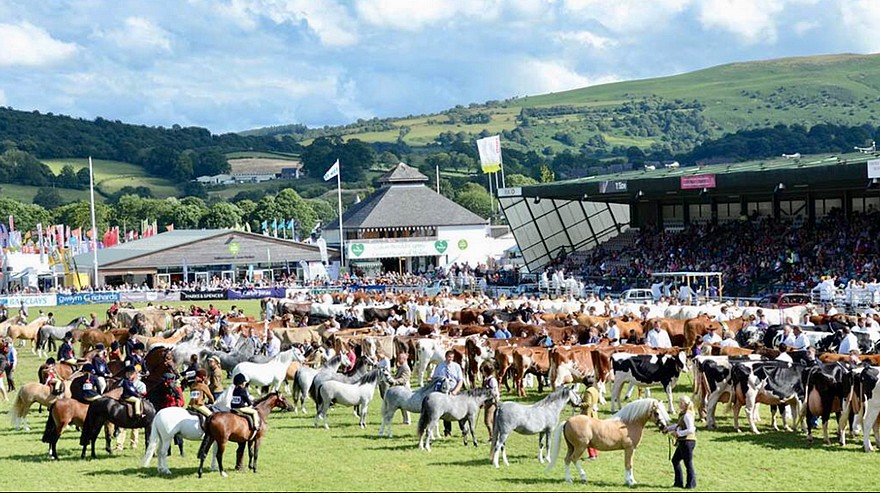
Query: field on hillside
296	457
111	176
261	164
840	89
26	193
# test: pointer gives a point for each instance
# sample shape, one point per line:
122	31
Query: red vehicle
784	300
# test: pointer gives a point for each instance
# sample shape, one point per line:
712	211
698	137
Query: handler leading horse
621	431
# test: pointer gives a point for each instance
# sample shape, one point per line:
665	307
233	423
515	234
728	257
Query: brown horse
66	412
92	337
224	427
621	431
28	332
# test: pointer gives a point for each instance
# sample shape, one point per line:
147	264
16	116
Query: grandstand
776	213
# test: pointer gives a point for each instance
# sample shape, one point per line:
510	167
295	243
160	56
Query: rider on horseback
242	403
102	372
52	379
65	352
199	396
115	353
89	385
132	393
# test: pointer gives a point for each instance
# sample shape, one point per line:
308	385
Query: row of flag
280	225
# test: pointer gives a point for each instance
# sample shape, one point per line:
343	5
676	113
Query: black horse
105	409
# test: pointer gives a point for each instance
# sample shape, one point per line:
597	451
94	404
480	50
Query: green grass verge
26	193
297	457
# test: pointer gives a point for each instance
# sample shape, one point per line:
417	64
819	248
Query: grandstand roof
814	172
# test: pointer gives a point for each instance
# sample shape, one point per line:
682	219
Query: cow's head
681	361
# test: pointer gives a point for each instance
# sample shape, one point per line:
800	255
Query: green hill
676	112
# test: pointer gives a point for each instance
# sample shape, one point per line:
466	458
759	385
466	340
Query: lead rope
669	446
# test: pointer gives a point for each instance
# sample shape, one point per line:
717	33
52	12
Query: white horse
173	420
271	373
357	394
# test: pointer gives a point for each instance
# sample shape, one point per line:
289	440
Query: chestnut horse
66	412
621	431
224	427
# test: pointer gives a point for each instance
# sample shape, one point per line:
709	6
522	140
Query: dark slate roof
403	173
398	206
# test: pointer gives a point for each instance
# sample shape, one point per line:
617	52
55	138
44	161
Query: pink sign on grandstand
697	181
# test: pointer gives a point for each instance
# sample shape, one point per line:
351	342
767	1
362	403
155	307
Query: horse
306	376
244	350
27	395
621	431
363	366
105	410
270	374
176	421
349	394
224	427
461	407
28	332
402	397
48	334
65	412
92	337
538	418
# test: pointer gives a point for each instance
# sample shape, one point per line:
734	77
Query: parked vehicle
784	300
636	296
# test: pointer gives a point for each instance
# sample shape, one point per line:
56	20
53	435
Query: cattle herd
556	341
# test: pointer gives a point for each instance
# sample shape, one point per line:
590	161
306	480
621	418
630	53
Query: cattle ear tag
441	245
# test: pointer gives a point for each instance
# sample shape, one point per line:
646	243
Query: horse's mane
265	397
369	378
477	392
635	410
335	360
559	394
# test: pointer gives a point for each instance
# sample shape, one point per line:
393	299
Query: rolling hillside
677	112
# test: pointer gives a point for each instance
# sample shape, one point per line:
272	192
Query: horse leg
256	455
473	426
581	472
615	394
629	475
541	441
221	447
239	455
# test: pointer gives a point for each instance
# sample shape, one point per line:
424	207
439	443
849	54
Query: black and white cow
712	382
826	387
647	369
864	404
769	382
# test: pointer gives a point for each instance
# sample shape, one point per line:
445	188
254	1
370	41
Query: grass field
26	193
111	176
295	456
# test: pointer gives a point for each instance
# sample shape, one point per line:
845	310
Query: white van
636	296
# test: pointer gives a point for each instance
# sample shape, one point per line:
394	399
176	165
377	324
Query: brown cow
568	363
534	360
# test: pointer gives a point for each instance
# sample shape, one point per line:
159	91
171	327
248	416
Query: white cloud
139	33
2	98
585	38
543	76
859	19
326	18
29	45
804	27
753	21
627	16
409	15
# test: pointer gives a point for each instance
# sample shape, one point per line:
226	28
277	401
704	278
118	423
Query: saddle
250	421
202	417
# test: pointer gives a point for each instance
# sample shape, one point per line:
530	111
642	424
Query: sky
232	65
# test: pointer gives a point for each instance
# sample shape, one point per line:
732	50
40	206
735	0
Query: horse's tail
50	433
207	440
153	444
19	408
424	419
40	340
89	429
555	445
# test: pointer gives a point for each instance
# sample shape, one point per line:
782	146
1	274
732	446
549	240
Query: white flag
490	153
332	172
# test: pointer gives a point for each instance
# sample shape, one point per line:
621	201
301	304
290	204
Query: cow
570	362
826	387
864	403
534	360
712	383
770	382
372	314
644	370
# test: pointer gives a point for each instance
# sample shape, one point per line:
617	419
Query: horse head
279	401
659	414
573	397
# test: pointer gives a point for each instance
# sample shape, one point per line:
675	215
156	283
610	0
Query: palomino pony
357	395
621	431
27	395
538	418
404	398
170	422
271	374
224	427
104	410
28	332
462	407
66	412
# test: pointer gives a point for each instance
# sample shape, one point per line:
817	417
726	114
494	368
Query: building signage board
29	300
255	293
397	249
203	295
612	186
874	168
697	181
87	298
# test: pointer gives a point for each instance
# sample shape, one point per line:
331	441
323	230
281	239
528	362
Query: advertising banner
87	298
29	300
612	186
202	295
149	296
697	181
255	293
396	249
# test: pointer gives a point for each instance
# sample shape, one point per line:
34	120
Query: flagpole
341	232
438	179
94	229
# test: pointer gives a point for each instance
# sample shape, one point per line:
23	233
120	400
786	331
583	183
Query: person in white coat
657	337
848	343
